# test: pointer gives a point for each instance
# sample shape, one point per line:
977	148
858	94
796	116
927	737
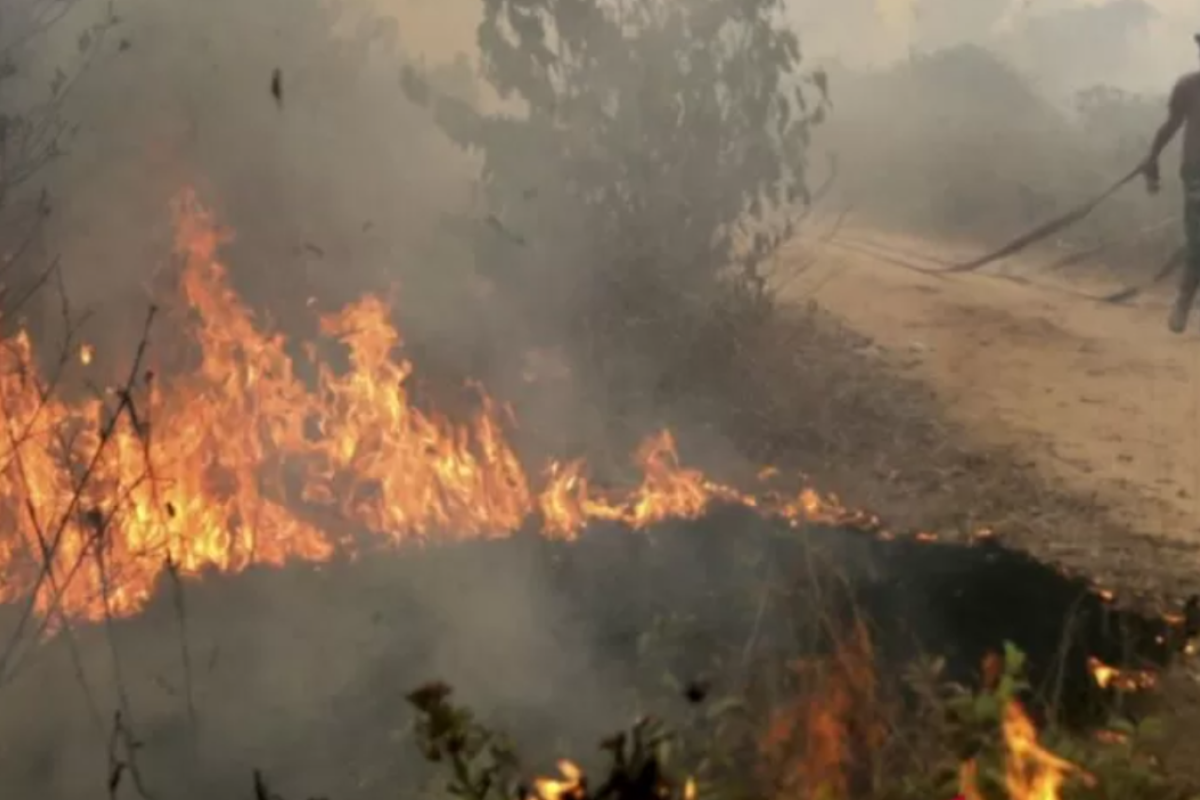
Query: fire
408	474
668	491
1030	771
812	741
1122	680
238	461
968	782
571	786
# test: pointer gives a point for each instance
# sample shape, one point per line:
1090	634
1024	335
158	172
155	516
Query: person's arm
1176	115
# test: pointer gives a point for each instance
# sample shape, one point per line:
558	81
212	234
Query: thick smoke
341	187
338	189
1000	116
344	188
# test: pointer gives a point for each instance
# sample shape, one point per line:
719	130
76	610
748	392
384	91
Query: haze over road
1066	44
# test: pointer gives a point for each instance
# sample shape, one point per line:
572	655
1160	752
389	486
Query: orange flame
1122	680
573	786
570	787
968	782
1031	772
811	741
237	461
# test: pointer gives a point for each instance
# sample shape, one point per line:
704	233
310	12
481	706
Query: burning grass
1018	767
239	461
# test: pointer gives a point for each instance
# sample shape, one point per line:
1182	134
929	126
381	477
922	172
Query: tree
646	160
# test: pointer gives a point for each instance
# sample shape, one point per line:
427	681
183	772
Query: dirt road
1101	396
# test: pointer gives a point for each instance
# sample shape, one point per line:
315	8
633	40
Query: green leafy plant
949	734
482	765
959	726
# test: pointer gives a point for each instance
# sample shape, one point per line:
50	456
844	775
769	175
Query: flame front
238	461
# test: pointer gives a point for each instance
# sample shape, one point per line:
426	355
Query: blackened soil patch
302	672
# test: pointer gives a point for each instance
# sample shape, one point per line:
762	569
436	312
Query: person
1183	113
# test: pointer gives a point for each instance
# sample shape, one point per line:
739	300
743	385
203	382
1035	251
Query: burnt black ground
302	672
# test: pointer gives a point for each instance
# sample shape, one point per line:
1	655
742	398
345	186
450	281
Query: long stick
1047	229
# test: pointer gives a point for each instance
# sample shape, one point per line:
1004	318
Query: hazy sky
1049	36
1066	52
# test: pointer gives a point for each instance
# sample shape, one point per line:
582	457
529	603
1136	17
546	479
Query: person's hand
1153	177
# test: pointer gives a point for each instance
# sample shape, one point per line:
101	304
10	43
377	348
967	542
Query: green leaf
986	708
1014	660
1151	729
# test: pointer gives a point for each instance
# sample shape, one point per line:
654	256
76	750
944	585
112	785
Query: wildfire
1122	680
238	461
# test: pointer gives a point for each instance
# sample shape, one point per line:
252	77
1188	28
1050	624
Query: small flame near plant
571	786
1031	772
1109	677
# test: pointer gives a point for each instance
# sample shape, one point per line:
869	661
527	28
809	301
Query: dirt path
1100	396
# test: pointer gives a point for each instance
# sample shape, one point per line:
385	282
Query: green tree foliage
646	162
